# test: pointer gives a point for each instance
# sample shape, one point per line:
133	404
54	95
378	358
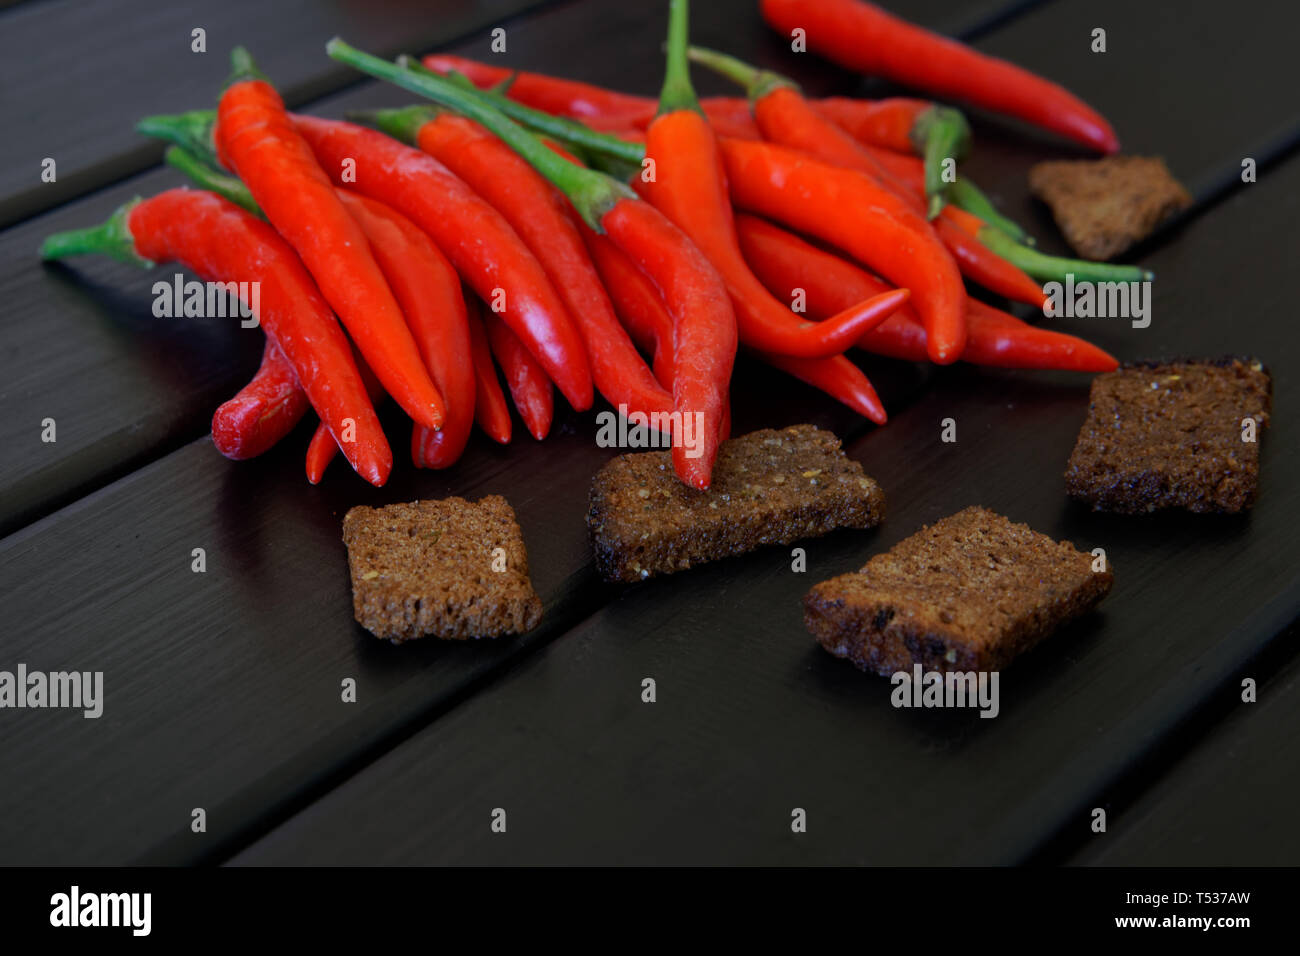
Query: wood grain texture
75	75
754	720
1229	802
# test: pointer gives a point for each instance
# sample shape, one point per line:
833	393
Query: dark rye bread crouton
1104	206
769	487
432	567
1170	435
968	593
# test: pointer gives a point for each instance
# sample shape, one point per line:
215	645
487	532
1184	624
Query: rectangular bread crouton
769	487
1105	206
433	567
1171	435
968	593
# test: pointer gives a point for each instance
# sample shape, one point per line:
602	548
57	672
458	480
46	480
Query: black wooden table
222	689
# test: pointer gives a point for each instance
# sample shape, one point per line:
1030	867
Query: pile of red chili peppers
552	229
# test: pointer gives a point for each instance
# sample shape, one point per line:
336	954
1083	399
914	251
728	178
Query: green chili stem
243	68
592	193
112	238
401	123
939	134
190	131
213	180
757	83
1045	267
964	194
677	92
503	88
562	129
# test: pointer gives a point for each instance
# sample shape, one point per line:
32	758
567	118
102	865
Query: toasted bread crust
969	593
432	567
1105	206
1169	435
769	487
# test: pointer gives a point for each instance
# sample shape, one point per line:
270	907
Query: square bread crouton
1171	435
1104	206
432	567
967	593
769	487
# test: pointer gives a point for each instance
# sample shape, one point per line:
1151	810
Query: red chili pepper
255	137
906	170
887	123
689	186
837	377
1039	264
490	409
785	262
786	118
482	246
984	266
424	284
849	210
704	326
547	93
527	381
860	36
646	317
938	133
263	411
638	303
909	172
429	292
322	448
221	242
542	219
599	108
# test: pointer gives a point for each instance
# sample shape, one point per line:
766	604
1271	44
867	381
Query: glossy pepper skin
220	242
255	137
997	339
887	123
704	325
482	246
490	409
849	210
685	179
690	187
425	285
595	106
526	380
785	117
937	133
906	176
894	123
647	319
263	411
542	219
322	448
860	36
429	292
638	303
